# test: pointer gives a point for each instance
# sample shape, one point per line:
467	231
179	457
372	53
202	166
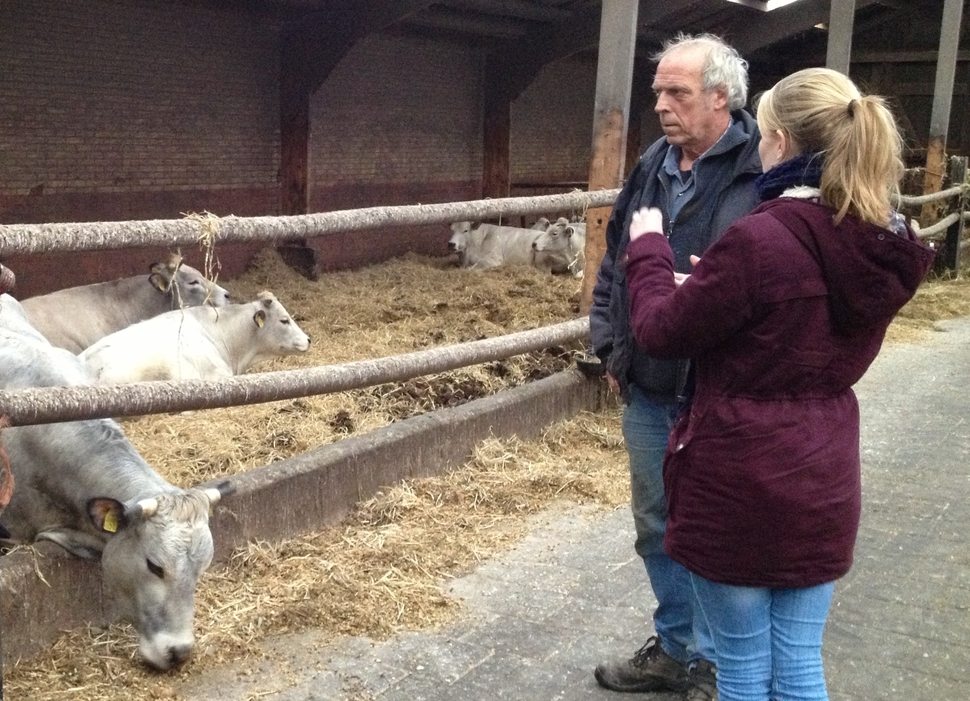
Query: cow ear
159	281
260	318
107	515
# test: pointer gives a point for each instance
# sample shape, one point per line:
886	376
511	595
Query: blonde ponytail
823	111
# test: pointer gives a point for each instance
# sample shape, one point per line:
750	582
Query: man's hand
646	220
680	277
611	381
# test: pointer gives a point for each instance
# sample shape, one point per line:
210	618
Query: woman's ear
789	149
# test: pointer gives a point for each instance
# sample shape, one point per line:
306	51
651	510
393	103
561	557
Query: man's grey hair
723	66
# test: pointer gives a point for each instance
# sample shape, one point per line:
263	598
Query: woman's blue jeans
677	620
768	641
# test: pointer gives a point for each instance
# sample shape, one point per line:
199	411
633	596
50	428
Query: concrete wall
290	497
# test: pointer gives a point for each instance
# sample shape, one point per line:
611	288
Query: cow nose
178	654
451	246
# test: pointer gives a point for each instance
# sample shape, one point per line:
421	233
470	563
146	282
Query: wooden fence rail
48	405
23	239
55	404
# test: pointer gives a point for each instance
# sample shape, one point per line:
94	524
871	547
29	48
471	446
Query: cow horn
146	508
213	495
223	489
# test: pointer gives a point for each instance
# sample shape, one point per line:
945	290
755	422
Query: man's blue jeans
683	631
769	641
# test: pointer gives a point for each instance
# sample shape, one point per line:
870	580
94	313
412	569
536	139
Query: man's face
691	117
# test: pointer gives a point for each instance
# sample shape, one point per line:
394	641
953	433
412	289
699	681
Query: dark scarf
805	169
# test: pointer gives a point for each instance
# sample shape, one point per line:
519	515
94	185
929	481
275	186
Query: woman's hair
723	66
822	111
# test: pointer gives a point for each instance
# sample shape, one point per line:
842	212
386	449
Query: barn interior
119	110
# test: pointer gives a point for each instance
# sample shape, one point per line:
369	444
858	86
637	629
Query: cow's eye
284	321
155	569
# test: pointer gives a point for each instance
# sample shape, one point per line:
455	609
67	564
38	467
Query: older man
701	175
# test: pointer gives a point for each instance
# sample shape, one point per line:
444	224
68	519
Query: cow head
155	553
555	239
459	236
186	286
277	333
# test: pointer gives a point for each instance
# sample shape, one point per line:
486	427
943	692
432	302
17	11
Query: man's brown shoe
650	669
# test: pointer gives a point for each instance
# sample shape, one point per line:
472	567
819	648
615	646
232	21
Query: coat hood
870	271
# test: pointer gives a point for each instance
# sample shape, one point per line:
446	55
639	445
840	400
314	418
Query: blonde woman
782	315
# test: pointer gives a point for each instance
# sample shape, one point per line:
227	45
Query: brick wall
135	109
552	123
142	109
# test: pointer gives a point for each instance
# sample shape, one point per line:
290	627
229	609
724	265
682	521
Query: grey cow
562	247
82	485
76	317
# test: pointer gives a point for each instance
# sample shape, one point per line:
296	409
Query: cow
82	485
76	317
483	246
561	247
7	279
541	224
196	343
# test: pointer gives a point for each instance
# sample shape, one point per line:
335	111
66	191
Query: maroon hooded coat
782	316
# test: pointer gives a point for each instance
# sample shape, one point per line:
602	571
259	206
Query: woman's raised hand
646	220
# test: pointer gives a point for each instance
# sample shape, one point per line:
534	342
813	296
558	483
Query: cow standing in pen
76	317
82	485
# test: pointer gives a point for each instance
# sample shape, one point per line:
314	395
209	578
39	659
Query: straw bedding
381	570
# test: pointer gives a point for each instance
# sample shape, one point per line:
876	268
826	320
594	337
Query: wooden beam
653	12
528	56
904	56
942	101
496	130
520	9
309	51
839	50
750	33
614	79
458	21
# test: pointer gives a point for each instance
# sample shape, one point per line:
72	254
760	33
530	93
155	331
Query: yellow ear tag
110	522
259	321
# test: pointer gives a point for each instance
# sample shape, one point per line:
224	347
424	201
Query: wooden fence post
948	258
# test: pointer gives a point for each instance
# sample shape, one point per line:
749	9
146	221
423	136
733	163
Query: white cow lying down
76	317
197	343
82	485
483	246
562	247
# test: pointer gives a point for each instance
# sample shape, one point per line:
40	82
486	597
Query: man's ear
719	98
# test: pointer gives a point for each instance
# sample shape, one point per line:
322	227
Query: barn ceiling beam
309	51
520	9
653	12
523	60
478	24
750	33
